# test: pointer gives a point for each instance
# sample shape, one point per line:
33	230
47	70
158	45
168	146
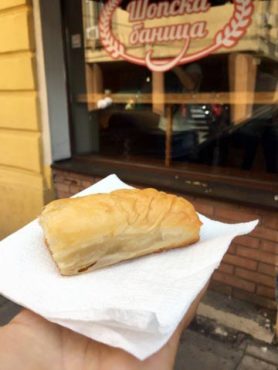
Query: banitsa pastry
95	231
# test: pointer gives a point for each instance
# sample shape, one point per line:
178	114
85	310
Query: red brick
64	180
58	179
220	287
79	178
266	269
63	187
269	247
94	179
75	189
253	298
234	281
68	183
62	195
237	215
87	183
266	291
247	241
266	233
187	197
256	277
224	267
255	255
232	249
205	209
228	205
254	211
240	261
269	219
75	182
219	204
205	200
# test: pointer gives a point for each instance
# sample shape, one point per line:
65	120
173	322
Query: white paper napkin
134	305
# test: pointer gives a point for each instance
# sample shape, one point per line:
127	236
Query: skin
30	342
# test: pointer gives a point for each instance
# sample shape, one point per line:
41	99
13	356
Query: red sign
141	11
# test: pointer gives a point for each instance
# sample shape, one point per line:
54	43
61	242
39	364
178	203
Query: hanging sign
140	11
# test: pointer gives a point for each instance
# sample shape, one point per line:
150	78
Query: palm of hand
32	343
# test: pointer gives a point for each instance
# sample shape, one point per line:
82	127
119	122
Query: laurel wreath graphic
227	37
237	26
113	46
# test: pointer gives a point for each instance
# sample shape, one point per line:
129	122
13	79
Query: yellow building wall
24	187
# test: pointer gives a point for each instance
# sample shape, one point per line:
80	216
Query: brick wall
248	269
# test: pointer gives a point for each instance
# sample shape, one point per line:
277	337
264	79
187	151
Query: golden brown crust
104	229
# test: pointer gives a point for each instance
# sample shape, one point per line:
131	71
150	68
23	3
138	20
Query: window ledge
199	181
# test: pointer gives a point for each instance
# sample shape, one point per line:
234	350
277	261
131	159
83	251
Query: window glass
219	110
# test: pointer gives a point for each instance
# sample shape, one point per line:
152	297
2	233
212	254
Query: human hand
30	342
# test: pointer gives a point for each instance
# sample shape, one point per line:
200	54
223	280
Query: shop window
219	111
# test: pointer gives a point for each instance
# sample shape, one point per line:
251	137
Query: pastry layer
100	230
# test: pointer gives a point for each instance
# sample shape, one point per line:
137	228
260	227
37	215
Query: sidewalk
228	334
199	351
206	345
7	310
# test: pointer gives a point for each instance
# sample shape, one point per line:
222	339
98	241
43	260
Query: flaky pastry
91	232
